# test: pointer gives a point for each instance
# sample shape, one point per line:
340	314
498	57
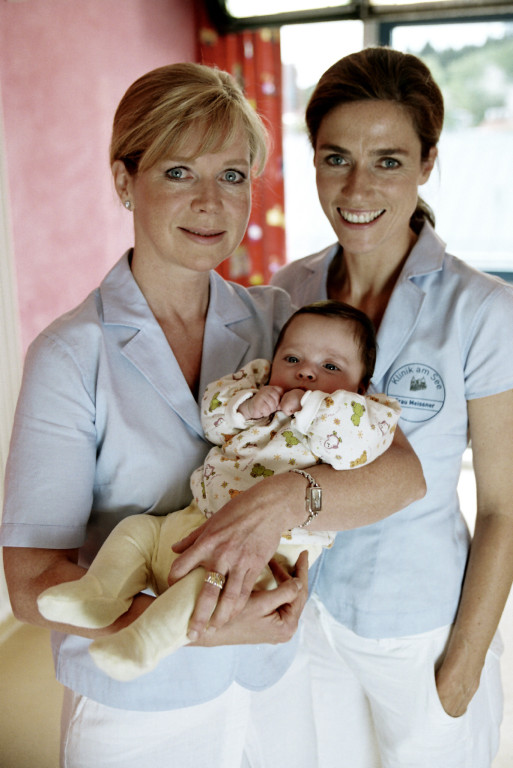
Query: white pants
282	729
376	703
238	728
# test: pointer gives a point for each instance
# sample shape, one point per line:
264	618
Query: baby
308	406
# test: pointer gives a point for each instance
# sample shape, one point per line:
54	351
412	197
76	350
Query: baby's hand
263	403
291	401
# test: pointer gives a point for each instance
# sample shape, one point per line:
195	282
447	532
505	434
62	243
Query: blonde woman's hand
269	616
237	543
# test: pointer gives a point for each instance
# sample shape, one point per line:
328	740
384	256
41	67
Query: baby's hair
363	329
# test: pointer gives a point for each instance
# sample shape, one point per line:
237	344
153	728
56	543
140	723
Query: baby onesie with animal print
344	429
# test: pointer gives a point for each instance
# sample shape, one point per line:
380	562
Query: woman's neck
365	282
172	291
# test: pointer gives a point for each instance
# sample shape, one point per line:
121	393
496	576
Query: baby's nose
306	373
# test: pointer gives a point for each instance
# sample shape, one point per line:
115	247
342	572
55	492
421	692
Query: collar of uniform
123	302
404	308
427	255
124	305
315	269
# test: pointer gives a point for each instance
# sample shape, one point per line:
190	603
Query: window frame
386	16
386	28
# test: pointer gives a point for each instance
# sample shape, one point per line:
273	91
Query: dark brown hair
363	329
383	74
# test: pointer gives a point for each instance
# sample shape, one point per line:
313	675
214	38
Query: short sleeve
51	465
488	360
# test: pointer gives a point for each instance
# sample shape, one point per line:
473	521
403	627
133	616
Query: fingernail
192	635
299	584
210	630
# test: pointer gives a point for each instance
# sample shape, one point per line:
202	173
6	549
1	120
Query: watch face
314	497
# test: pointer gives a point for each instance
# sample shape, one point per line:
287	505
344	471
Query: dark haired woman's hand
455	691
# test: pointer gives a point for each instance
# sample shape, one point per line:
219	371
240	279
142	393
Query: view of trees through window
477	80
470	189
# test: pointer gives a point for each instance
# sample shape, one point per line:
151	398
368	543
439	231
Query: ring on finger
215	578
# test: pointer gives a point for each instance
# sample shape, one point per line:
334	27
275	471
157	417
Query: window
307	50
232	15
470	190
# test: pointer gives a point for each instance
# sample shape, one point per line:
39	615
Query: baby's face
318	353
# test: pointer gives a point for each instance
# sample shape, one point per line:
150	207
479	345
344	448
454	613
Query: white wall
10	359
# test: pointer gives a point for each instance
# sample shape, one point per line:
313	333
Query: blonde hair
158	112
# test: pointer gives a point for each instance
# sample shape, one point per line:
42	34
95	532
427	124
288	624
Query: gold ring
215	578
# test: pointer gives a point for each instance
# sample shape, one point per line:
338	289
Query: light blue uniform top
445	338
106	426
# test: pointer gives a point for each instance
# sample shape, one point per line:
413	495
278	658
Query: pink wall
64	66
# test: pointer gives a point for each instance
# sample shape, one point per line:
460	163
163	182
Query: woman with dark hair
402	625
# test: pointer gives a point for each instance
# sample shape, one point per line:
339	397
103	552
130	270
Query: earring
128	204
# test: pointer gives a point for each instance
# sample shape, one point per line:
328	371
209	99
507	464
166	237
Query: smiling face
318	353
368	168
190	212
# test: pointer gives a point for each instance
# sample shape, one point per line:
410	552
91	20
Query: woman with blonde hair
108	425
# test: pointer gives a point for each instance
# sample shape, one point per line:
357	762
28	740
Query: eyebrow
329	354
240	161
377	152
182	159
342	359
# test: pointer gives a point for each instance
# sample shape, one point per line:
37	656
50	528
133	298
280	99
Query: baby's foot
127	654
81	603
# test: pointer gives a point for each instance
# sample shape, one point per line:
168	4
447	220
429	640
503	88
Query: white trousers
282	730
376	703
239	729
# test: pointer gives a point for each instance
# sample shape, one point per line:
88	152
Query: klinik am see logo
419	389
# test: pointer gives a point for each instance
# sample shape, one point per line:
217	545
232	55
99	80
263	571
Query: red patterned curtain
253	58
